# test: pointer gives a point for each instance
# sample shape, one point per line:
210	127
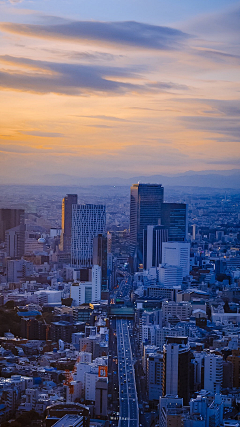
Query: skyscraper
213	372
176	368
178	254
15	241
145	209
153	238
100	257
174	217
68	201
10	218
87	222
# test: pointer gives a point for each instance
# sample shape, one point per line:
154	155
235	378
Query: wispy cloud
42	134
108	118
225	126
99	126
234	161
221	24
223	59
63	78
128	33
75	79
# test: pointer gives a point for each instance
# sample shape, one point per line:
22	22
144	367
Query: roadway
128	402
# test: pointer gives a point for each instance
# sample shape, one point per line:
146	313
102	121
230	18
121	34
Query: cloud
220	27
227	107
108	118
167	86
93	56
226	161
227	126
227	21
142	108
23	148
20	148
74	79
99	126
10	1
218	56
75	55
43	134
154	154
128	33
218	118
63	78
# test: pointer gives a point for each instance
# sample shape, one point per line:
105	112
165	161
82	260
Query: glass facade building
68	201
174	217
145	209
87	222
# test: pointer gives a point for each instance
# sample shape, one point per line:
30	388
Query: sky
92	88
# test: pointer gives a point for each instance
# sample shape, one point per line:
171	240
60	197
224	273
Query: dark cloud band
129	33
74	79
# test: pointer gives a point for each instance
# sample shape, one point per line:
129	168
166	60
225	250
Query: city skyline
118	89
99	338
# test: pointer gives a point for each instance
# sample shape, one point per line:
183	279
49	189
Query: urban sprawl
120	314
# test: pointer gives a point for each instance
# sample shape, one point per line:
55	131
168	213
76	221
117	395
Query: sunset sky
107	88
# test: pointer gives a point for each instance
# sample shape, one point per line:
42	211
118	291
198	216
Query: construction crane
47	328
68	381
28	327
84	347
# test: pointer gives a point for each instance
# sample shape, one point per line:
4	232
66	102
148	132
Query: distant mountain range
210	178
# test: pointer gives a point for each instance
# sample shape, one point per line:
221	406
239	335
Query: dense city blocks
120	317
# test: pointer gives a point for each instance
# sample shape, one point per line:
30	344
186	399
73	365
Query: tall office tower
234	358
194	231
15	241
87	222
65	241
153	238
109	242
170	411
176	368
175	218
178	254
145	209
100	257
154	375
213	372
10	218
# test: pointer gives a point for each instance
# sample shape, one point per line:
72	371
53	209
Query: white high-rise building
213	372
87	292
87	222
178	254
90	384
170	275
176	364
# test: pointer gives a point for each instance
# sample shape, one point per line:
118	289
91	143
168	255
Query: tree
226	307
67	302
10	304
